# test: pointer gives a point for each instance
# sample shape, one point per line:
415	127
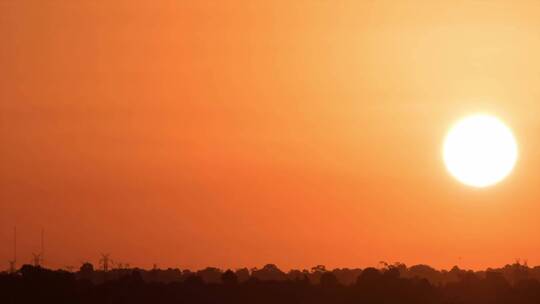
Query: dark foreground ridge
512	284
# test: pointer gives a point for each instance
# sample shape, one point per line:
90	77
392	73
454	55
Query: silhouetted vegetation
397	283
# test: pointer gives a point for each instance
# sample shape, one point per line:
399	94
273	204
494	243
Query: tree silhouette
393	283
229	278
329	279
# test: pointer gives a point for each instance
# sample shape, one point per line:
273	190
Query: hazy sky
239	133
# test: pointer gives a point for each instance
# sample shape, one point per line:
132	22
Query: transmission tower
105	261
42	253
36	259
13	263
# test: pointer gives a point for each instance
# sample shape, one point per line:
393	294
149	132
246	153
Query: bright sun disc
480	150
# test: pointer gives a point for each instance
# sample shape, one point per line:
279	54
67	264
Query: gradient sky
239	133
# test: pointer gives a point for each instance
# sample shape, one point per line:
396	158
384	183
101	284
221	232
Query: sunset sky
240	133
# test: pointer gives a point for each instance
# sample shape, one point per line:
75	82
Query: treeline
395	283
512	273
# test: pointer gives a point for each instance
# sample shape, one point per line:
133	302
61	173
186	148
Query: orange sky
239	133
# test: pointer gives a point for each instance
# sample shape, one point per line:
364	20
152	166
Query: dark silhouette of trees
229	278
392	283
86	268
269	272
242	274
210	274
328	280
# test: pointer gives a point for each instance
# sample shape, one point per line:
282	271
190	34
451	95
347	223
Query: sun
480	150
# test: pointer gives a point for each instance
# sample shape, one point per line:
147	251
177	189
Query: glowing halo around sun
480	150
